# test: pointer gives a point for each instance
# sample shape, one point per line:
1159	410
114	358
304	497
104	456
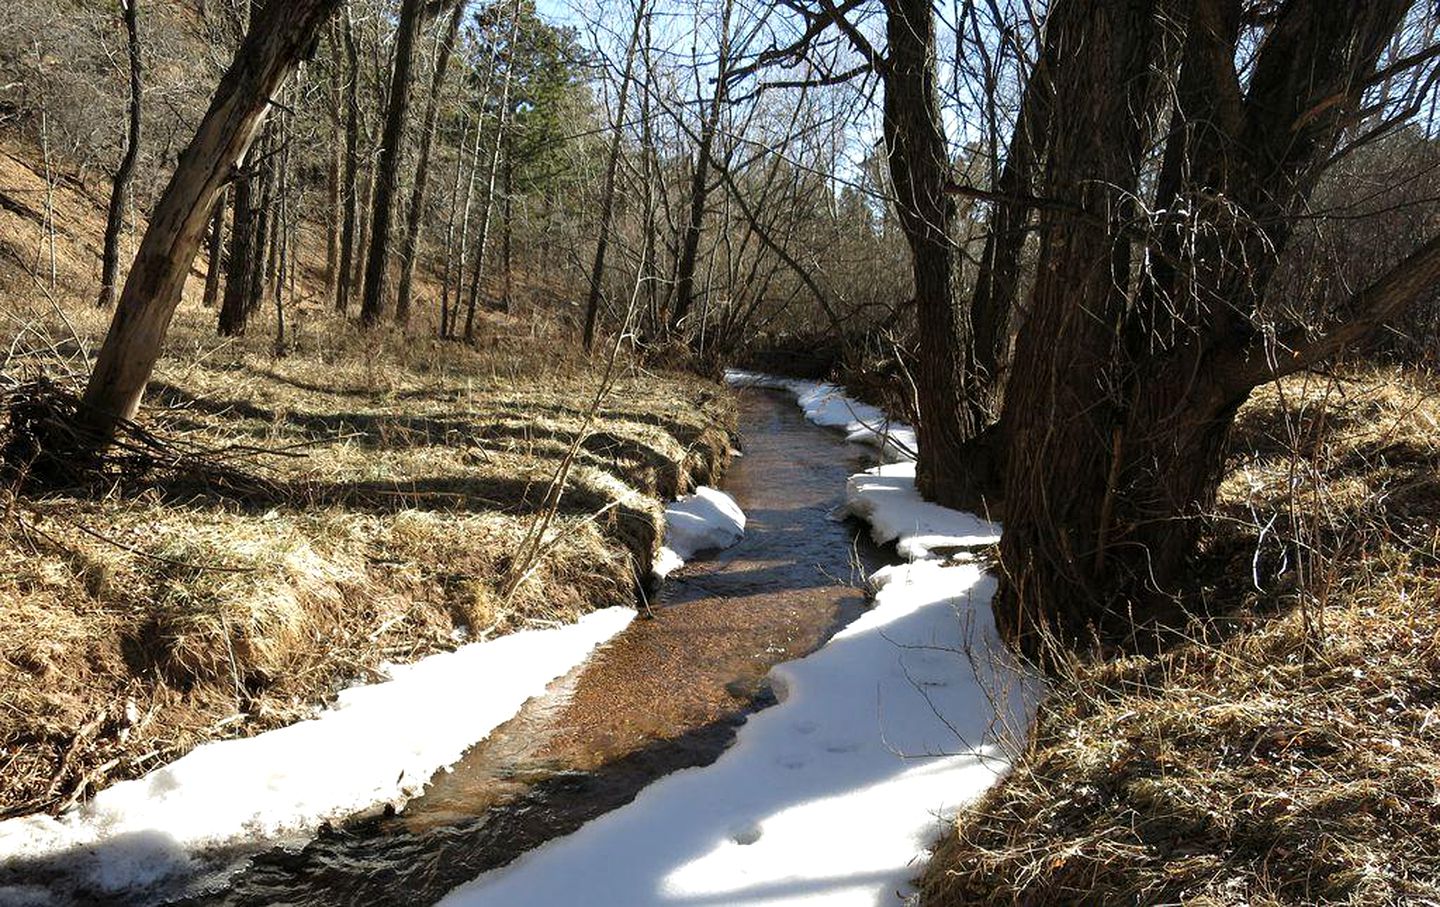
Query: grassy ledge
172	609
1287	750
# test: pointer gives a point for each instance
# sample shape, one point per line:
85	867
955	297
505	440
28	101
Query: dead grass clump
1289	751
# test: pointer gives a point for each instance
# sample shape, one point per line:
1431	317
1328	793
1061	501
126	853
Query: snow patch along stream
380	743
834	795
707	520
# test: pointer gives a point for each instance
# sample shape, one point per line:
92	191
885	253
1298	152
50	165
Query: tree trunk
507	228
450	245
607	197
1121	400
120	189
501	119
348	187
215	262
240	264
262	259
700	183
949	414
334	167
997	280
409	249
387	176
280	36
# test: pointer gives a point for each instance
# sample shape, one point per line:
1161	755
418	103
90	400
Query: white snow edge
826	404
380	743
834	796
883	496
707	520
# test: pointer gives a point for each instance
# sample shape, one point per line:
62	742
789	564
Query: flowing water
667	693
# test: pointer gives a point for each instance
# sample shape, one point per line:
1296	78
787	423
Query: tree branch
1387	297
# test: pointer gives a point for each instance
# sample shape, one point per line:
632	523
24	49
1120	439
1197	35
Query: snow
834	795
827	798
379	743
885	497
707	520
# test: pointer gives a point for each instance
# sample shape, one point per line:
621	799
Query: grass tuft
1287	751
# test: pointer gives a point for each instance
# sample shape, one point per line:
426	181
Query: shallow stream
667	693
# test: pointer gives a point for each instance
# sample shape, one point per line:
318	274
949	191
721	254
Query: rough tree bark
387	169
280	36
120	189
240	262
1120	402
949	414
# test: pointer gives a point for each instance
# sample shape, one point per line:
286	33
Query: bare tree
409	248
1121	395
700	176
612	166
351	177
281	35
120	188
387	168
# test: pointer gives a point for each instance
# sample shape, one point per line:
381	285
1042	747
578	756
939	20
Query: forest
628	452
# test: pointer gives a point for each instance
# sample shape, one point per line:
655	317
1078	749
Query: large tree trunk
920	173
120	189
410	247
282	34
387	176
1121	400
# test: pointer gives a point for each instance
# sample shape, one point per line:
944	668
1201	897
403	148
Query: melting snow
707	520
826	404
833	796
885	497
379	743
827	798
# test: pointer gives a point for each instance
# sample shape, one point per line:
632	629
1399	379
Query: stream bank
666	694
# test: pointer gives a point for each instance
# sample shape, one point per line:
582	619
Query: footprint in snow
746	834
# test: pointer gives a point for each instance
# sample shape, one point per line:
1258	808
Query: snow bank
707	520
885	497
826	404
378	744
827	798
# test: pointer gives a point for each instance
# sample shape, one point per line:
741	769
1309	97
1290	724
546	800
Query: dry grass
1289	751
139	620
